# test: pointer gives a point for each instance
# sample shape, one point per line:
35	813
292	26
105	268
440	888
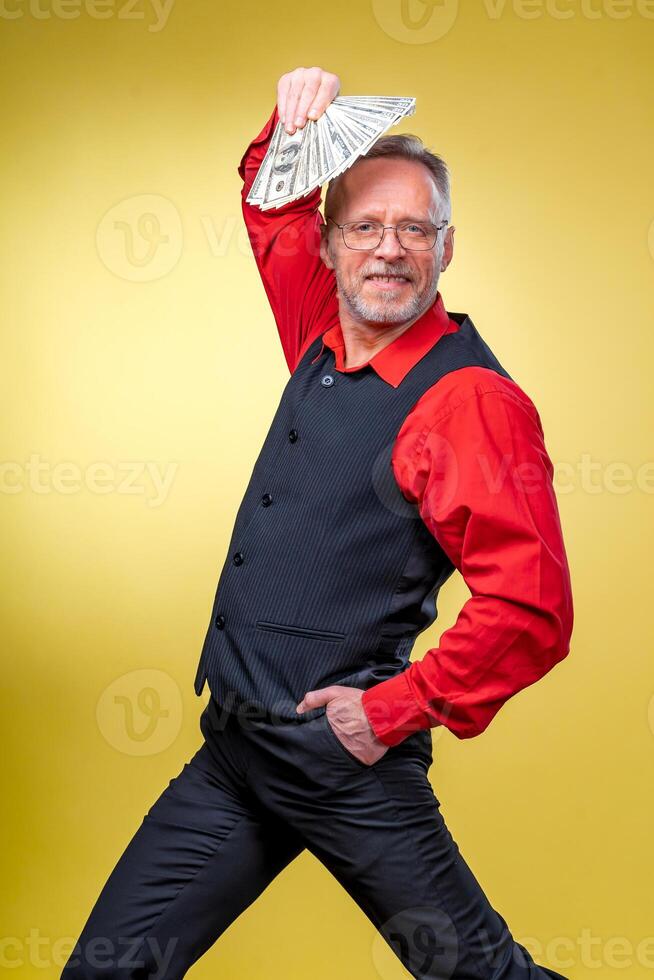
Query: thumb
314	699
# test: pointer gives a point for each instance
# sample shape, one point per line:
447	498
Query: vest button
238	558
219	622
266	499
292	436
327	380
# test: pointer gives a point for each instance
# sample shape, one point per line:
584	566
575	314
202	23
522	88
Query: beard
383	306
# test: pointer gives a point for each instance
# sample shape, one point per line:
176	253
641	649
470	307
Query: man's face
388	190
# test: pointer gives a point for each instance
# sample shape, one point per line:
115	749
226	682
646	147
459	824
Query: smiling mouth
389	280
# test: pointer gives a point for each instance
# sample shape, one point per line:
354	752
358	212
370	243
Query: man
401	449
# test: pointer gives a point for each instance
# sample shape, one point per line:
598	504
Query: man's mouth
391	281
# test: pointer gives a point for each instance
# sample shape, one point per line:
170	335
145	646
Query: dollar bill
294	165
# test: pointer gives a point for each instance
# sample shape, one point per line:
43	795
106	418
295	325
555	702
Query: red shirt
471	454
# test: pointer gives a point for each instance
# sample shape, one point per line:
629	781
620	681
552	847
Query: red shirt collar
394	361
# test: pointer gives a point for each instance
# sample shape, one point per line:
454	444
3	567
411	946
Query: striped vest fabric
331	572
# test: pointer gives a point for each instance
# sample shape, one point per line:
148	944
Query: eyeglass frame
438	228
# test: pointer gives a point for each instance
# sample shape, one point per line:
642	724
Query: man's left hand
348	720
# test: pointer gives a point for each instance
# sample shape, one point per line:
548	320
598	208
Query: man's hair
404	146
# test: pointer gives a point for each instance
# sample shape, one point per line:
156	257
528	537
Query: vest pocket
327	635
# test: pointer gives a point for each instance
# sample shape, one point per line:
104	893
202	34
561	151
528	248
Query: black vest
331	573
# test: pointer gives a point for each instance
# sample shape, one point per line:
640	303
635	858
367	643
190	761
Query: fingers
312	82
283	86
296	84
315	699
304	93
327	91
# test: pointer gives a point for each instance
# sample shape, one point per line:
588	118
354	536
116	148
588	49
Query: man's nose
389	247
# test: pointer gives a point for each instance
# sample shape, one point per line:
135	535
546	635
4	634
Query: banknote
294	165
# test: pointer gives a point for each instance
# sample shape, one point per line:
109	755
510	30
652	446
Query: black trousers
252	798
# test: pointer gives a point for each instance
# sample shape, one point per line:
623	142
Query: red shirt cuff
392	711
263	137
248	168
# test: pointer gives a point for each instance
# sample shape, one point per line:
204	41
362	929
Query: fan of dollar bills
296	164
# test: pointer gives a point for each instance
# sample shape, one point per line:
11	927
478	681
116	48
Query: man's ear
448	248
324	252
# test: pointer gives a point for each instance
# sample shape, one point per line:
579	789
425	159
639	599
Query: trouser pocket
335	740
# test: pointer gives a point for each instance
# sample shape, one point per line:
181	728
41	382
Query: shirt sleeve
482	480
285	241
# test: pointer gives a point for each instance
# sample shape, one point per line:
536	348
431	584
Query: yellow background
117	357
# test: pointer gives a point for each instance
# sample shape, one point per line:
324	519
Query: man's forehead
381	181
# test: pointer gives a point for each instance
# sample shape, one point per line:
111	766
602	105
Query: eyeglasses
416	236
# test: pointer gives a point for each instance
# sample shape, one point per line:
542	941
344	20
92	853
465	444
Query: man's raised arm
286	240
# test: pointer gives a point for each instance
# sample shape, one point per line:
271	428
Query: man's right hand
304	94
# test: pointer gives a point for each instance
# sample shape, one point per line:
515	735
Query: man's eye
417	230
362	226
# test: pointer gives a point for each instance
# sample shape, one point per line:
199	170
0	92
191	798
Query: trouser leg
202	855
380	831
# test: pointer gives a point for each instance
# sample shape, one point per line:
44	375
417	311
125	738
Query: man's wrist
248	173
392	711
